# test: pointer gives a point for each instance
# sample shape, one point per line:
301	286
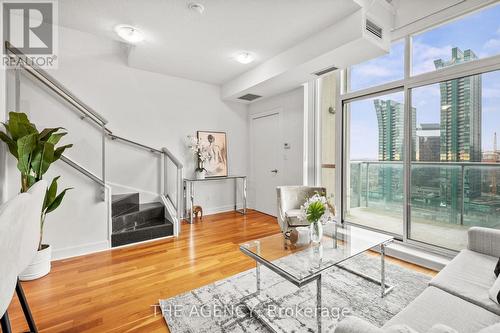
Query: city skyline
428	46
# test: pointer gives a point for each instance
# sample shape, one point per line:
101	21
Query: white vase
316	229
40	266
200	174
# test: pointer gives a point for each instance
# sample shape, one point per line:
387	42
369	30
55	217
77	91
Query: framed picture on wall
216	165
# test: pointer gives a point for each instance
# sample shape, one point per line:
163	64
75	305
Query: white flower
329	208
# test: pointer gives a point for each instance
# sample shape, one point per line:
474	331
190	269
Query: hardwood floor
115	290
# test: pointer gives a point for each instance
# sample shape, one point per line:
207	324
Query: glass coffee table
303	264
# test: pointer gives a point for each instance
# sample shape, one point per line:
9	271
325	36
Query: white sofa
457	297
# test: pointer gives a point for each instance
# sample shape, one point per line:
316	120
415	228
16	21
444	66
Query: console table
189	186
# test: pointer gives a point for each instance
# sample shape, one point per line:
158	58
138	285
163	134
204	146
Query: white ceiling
183	43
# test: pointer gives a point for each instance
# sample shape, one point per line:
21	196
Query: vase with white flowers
199	148
317	210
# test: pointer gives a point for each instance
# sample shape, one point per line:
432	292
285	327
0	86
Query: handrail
53	84
140	145
444	163
82	170
167	152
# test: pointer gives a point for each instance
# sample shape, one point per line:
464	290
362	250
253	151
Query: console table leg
382	269
191	193
245	195
318	302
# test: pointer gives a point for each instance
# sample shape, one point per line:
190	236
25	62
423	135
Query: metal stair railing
173	203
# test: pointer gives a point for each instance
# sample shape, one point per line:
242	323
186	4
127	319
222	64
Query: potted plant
317	210
200	149
35	151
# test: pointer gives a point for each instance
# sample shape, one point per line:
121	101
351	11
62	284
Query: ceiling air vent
373	29
326	70
249	97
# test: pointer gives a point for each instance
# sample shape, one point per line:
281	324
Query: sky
479	32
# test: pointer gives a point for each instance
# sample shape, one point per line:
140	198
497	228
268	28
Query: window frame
409	82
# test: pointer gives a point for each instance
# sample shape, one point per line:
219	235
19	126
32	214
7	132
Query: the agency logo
29	32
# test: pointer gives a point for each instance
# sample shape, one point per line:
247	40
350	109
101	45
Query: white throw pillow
495	291
495	328
399	329
440	328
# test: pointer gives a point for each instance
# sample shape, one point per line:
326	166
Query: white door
265	161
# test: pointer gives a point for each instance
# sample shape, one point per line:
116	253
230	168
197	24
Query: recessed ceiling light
129	33
245	57
198	7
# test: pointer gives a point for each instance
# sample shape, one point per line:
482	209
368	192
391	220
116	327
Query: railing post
17	92
163	173
462	208
367	184
103	128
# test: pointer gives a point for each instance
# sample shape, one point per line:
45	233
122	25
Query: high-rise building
428	142
460	133
390	118
460	112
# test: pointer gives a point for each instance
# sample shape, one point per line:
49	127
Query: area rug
218	307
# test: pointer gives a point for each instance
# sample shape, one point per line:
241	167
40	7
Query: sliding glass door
420	157
374	153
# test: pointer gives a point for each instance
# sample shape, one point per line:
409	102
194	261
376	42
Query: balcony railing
463	193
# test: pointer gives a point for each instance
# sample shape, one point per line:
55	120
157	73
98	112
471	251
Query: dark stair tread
151	229
142	208
147	224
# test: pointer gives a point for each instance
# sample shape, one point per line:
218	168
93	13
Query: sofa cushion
294	218
469	276
491	329
494	291
440	328
435	306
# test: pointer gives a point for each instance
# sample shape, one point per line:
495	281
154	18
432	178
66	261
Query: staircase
134	222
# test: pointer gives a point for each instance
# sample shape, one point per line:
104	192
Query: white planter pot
200	174
40	266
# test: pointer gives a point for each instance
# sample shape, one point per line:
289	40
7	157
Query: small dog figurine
198	210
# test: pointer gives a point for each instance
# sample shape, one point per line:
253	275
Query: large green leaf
10	143
42	158
19	125
47	132
55	137
60	150
51	193
25	147
57	201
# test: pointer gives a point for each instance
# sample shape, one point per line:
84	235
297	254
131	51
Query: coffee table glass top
300	264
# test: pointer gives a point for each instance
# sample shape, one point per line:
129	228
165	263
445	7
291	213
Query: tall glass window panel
374	135
472	37
328	91
455	173
384	69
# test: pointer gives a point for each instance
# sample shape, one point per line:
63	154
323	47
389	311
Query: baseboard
74	251
219	209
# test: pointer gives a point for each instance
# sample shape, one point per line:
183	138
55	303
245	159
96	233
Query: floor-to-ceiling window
420	154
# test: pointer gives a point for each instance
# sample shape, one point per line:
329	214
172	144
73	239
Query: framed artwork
216	165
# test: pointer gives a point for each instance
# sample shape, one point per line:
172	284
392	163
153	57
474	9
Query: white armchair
290	198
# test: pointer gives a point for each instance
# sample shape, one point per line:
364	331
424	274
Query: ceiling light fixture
245	57
197	7
129	33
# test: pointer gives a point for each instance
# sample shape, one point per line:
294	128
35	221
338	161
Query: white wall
156	110
291	104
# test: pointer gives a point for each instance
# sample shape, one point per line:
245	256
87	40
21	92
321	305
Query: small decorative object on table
199	148
317	210
198	210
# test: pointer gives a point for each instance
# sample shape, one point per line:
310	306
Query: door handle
274	171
